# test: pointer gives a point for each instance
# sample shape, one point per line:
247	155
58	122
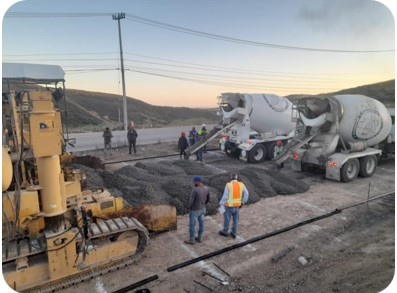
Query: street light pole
117	17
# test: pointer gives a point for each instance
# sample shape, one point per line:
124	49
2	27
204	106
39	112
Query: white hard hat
203	125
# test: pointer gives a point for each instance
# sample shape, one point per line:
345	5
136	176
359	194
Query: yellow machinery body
53	232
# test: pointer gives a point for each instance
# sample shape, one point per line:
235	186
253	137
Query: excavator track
99	230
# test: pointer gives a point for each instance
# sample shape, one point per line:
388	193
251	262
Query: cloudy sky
186	52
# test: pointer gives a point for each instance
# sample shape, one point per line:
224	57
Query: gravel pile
145	193
93	179
180	189
137	174
193	167
116	181
161	168
171	183
271	183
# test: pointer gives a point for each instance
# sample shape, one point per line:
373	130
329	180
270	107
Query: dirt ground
352	251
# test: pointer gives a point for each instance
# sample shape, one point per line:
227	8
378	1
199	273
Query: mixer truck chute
343	134
259	121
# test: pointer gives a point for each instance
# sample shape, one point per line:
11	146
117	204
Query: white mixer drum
270	113
363	118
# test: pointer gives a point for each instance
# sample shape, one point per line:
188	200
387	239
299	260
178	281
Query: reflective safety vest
235	195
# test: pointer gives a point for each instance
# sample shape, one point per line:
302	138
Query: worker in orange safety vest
234	196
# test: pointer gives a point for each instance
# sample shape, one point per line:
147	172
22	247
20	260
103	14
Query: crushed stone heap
170	182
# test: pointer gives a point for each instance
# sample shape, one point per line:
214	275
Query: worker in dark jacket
199	197
132	135
182	144
107	139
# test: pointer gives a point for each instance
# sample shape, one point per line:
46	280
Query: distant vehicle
343	134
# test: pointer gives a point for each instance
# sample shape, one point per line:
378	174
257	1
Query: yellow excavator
54	233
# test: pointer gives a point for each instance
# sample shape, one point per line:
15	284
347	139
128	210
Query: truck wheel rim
352	170
370	166
258	154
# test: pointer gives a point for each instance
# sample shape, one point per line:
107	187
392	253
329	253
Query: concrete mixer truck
257	122
343	134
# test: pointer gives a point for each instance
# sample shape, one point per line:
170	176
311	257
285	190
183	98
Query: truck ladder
202	142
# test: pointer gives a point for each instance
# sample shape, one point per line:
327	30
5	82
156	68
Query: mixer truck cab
344	134
257	122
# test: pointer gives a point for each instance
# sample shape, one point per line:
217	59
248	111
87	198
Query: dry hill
382	91
92	111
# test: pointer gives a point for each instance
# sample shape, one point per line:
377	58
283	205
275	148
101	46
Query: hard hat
183	133
203	125
279	142
197	179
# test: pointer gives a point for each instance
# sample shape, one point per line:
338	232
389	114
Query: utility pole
117	17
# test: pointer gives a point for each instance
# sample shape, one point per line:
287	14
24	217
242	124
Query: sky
186	52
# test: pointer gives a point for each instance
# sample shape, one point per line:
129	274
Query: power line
57	54
210	67
284	76
241	41
271	79
239	85
56	15
192	31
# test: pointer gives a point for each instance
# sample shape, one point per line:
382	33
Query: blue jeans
193	216
229	213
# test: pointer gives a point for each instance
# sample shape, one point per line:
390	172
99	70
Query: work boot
223	233
233	235
198	239
191	242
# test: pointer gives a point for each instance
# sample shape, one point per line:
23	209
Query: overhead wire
217	83
229	78
195	66
189	31
241	41
297	75
206	68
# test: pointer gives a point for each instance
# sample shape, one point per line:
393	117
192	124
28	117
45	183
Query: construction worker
192	136
278	148
182	144
132	136
234	196
107	139
199	197
202	134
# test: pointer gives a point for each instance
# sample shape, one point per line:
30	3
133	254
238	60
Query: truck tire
232	152
368	166
350	170
257	154
270	150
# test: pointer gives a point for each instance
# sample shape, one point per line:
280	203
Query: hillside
92	111
93	108
382	91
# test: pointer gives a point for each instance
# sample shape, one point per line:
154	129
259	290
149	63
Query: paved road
94	140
